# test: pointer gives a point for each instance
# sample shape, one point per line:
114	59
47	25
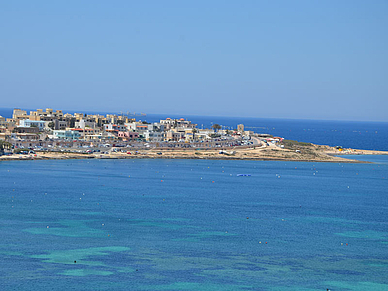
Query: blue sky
280	59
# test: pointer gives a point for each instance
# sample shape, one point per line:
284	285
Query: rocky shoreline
300	153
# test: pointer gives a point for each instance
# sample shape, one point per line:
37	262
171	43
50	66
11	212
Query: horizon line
199	115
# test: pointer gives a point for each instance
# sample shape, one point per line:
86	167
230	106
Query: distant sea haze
349	134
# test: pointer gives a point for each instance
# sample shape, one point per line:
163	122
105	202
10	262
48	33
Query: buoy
259	242
75	262
266	242
212	181
247	217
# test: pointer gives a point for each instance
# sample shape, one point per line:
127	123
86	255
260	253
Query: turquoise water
193	225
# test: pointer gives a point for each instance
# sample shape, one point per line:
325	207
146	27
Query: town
49	130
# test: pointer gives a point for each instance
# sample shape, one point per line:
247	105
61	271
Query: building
58	114
153	136
2	121
240	128
202	134
60	124
174	136
20	129
82	124
24	136
174	123
128	135
18	113
137	126
114	127
32	123
66	134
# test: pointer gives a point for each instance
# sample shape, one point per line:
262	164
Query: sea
160	224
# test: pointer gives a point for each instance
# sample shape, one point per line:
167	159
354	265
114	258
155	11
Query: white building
153	136
115	127
32	123
204	133
66	134
173	123
82	124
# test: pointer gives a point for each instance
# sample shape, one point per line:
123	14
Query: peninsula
52	134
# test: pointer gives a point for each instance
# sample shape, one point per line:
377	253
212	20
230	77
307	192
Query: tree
5	145
194	132
216	126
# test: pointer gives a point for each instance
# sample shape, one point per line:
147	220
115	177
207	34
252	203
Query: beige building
18	113
240	128
174	136
2	121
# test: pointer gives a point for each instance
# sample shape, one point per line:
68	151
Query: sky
271	59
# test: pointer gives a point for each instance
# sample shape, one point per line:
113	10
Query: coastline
311	153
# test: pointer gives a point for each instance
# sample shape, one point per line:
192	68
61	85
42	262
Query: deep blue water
349	134
193	225
358	135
